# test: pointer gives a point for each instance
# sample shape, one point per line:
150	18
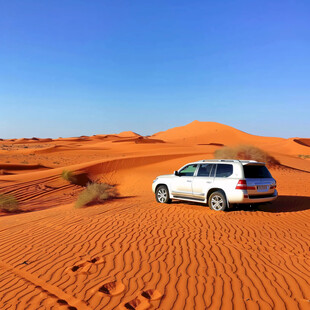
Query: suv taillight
242	185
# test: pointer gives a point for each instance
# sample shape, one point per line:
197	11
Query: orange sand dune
133	253
54	148
20	167
216	133
32	140
9	169
194	258
126	134
210	132
45	140
22	140
305	142
102	136
79	139
140	140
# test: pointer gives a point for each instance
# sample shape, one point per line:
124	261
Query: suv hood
165	176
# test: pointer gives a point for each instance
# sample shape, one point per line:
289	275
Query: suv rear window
224	170
256	172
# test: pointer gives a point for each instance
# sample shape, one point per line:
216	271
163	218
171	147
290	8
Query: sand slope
216	133
133	253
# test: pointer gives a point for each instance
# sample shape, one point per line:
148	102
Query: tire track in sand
43	286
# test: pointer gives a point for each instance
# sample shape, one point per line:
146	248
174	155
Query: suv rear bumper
243	197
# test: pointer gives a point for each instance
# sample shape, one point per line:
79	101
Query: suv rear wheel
162	194
217	201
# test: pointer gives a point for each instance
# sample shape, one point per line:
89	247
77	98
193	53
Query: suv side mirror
176	173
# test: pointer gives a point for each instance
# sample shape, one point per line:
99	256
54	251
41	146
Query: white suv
220	183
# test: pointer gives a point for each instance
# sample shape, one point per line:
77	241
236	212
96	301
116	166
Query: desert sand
133	253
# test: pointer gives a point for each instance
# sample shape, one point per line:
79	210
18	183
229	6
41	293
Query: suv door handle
208	182
188	181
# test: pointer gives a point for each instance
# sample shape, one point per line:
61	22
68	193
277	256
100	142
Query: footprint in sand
62	302
151	294
136	304
112	288
142	301
85	266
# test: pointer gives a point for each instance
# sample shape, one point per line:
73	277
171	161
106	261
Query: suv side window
188	171
204	170
224	170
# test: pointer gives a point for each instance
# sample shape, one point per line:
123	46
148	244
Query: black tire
162	194
217	201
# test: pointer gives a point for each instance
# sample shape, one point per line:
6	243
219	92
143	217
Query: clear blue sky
70	68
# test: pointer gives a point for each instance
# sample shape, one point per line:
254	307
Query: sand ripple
176	256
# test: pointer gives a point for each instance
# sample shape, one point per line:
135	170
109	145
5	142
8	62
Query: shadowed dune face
133	253
305	142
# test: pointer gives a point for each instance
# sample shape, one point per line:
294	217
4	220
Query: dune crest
127	134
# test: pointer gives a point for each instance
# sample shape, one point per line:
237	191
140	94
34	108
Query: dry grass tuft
303	156
8	203
95	193
69	176
246	152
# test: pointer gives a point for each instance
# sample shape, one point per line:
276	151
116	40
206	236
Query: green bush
68	176
247	152
8	203
95	193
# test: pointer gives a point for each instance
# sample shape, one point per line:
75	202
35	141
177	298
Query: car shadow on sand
282	204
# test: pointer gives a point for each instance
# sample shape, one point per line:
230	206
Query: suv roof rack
228	160
219	160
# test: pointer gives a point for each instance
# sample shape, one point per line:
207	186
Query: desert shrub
68	176
8	203
247	152
303	156
95	193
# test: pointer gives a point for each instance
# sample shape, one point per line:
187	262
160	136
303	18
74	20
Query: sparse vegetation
8	203
95	193
303	156
68	176
247	152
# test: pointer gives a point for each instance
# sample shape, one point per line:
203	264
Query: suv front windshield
188	171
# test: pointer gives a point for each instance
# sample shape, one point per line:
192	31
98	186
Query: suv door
223	177
203	181
182	184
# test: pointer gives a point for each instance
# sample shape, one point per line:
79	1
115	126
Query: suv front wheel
162	194
217	201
